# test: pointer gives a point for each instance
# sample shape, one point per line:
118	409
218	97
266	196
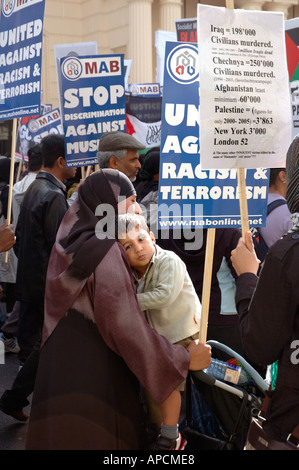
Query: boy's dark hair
127	222
52	147
35	159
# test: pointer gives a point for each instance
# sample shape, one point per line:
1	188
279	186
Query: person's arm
158	365
264	304
7	237
170	280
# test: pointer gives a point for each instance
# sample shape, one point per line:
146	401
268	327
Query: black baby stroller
218	413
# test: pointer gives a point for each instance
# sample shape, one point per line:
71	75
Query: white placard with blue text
93	102
199	198
244	88
21	38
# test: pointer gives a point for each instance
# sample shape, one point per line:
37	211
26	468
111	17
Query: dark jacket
43	208
270	328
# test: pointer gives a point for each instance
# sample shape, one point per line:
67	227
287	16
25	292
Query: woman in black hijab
97	346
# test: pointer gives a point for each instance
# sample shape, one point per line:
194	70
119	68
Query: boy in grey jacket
166	295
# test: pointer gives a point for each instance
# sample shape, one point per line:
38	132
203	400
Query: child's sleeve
170	280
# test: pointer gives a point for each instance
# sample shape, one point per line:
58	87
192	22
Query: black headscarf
79	246
104	187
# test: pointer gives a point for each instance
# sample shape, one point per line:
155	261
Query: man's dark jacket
43	208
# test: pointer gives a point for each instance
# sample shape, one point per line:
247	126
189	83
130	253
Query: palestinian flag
143	116
292	53
292	50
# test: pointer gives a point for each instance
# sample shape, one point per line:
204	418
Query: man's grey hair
104	157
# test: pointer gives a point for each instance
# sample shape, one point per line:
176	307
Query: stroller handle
259	381
210	380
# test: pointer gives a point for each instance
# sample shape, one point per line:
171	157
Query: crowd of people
102	312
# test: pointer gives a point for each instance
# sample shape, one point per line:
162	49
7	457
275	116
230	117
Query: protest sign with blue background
93	95
188	195
48	123
21	37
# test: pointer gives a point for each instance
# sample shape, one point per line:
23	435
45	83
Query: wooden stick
88	171
11	177
206	289
243	201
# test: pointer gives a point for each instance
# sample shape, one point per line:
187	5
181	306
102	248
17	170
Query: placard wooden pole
88	171
243	201
206	288
230	4
11	177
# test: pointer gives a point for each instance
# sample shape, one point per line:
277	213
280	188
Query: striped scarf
295	220
292	172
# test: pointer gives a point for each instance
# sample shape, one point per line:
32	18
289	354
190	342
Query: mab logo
71	68
183	65
10	6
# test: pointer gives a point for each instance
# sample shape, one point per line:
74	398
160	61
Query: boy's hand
200	355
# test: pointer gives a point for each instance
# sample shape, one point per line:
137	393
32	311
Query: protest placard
143	117
21	38
204	198
292	49
242	57
48	123
93	102
244	88
144	89
186	30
